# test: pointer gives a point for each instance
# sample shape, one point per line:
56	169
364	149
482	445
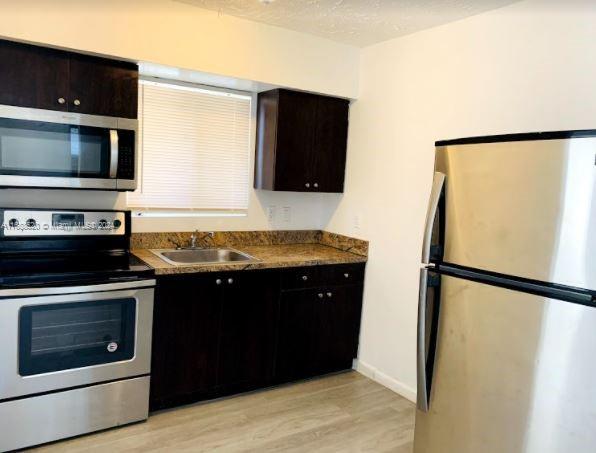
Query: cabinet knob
316	184
76	102
346	275
304	277
307	185
61	100
329	294
218	281
230	281
320	295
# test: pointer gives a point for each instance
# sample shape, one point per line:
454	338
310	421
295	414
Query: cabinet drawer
330	275
301	277
342	274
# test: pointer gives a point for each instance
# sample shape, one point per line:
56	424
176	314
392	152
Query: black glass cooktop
56	269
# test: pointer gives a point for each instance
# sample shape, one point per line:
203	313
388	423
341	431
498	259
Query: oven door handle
52	290
113	153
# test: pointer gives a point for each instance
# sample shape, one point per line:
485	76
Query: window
194	148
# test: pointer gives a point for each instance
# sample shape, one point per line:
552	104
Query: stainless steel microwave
45	148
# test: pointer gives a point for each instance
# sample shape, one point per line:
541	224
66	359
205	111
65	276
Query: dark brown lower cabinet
213	334
216	334
186	322
298	334
339	326
248	331
318	331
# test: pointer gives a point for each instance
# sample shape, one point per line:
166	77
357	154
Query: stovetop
58	269
57	247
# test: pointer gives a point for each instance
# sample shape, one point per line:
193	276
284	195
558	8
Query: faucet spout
195	237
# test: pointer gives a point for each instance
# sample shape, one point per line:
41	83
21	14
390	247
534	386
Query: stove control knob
117	223
31	223
13	223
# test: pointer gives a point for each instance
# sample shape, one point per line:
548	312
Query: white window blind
194	148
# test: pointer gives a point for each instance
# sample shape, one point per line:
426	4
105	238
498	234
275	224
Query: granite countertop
269	256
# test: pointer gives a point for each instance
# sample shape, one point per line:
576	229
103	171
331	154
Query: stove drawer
59	415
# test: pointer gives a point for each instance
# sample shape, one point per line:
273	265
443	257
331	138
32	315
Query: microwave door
47	154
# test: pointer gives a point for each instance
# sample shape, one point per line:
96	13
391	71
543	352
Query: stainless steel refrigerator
507	311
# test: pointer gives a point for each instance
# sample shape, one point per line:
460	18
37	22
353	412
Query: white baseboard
387	381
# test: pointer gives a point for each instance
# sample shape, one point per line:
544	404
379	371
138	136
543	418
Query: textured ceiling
356	22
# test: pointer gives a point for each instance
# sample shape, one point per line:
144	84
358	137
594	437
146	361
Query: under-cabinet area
220	333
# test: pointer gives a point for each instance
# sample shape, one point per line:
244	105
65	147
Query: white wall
175	34
307	211
527	67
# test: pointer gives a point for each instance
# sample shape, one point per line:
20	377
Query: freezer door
513	372
522	208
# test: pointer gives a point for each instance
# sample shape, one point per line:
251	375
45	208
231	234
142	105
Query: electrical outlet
357	222
287	214
271	210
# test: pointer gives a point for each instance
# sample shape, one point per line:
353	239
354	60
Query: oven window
76	334
32	148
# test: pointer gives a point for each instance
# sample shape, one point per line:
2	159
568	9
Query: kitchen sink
202	256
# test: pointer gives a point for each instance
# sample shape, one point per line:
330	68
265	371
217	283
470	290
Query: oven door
58	338
40	148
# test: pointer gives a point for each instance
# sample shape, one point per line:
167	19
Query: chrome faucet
193	240
194	237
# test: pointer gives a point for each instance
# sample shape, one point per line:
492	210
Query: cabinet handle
316	184
320	295
307	185
329	294
230	281
61	100
218	281
346	275
304	277
76	102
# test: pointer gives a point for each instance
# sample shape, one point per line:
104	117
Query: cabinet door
248	330
295	135
339	326
298	335
103	87
185	336
330	141
32	76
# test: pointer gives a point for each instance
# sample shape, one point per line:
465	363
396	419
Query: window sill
173	214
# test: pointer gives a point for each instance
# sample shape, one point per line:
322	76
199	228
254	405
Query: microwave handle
113	153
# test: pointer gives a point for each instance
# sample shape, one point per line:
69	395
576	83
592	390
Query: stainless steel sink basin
202	256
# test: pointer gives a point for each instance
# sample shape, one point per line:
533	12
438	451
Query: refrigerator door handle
421	393
435	196
427	333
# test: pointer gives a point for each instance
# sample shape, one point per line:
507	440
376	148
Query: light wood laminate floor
340	413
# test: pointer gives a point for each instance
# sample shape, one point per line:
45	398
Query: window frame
146	212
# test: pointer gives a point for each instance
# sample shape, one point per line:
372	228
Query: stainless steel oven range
76	313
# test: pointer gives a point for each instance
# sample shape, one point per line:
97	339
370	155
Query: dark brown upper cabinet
33	76
301	142
38	77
